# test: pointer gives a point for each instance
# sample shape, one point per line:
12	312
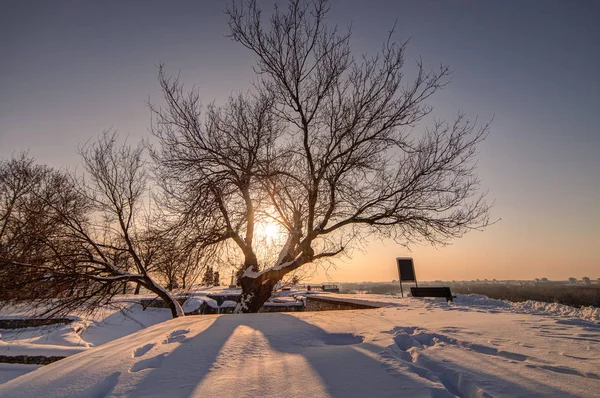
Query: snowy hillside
475	347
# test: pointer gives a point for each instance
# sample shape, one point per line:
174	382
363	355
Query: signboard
406	269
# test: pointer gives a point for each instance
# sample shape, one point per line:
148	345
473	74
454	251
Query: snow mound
228	304
211	303
192	304
536	307
529	307
481	301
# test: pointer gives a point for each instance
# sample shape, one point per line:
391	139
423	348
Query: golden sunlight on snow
247	359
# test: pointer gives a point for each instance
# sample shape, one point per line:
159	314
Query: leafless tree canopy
85	237
328	146
24	226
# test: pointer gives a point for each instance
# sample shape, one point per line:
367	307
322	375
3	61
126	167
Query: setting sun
271	230
268	229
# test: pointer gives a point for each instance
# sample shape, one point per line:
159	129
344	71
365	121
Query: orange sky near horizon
475	256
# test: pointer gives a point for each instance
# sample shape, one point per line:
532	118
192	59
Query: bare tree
208	277
24	226
101	239
586	280
327	148
178	262
20	180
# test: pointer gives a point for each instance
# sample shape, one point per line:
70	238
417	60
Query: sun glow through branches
268	230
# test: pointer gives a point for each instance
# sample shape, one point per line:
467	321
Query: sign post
406	271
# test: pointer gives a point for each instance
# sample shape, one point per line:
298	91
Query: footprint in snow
411	341
574	356
407	338
497	342
525	345
451	329
563	370
140	351
405	342
177	336
342	339
401	329
150	363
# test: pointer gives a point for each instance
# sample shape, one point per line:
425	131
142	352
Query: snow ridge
529	307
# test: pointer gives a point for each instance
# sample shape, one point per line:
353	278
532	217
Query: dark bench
432	292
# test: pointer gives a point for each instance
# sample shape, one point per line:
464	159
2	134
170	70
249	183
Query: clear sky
70	69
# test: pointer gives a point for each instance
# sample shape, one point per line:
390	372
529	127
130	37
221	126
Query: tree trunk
258	289
174	306
255	292
137	289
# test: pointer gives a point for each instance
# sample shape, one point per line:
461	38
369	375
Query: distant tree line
577	296
211	277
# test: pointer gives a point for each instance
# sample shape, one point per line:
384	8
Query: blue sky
69	69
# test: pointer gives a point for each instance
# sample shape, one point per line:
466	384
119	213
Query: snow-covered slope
472	348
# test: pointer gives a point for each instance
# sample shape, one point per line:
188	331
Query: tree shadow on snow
341	364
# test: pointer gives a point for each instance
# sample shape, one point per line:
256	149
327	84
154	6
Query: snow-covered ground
474	347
